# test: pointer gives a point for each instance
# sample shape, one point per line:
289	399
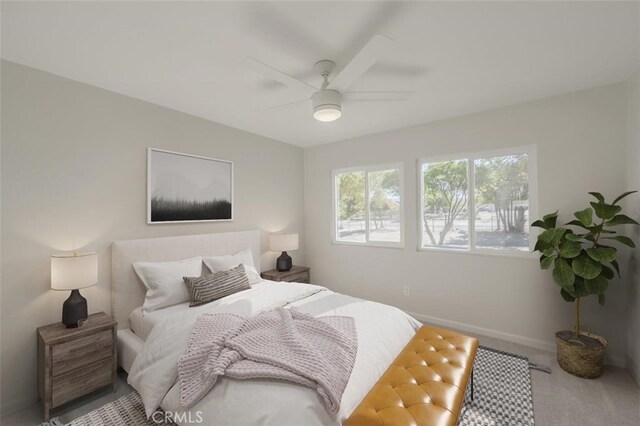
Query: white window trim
532	170
334	206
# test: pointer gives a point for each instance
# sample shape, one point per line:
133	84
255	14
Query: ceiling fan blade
377	47
274	74
397	70
283	106
377	96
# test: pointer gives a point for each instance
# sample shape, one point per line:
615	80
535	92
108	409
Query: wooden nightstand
73	362
298	274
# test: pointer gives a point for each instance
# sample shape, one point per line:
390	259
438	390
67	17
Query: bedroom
111	111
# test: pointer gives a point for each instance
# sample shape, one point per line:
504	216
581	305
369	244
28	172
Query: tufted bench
424	385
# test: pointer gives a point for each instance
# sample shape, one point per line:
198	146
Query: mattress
382	332
129	346
142	323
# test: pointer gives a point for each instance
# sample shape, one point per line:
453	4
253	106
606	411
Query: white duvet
382	332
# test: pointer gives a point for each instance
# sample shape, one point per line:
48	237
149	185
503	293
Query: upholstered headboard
127	292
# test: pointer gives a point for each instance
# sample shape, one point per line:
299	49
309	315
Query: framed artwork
188	188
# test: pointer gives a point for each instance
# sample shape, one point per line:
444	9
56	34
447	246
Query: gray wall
74	177
633	174
581	143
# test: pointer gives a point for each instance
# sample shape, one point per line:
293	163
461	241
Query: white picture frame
186	188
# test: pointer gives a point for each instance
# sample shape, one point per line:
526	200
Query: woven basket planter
581	358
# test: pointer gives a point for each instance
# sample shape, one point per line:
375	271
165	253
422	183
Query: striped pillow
208	288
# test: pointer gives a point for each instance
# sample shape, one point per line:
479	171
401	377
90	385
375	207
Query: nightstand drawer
71	355
298	274
299	278
81	381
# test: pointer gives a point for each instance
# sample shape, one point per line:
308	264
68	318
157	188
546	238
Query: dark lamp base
284	263
74	310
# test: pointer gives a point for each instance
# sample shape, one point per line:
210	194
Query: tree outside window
497	214
368	206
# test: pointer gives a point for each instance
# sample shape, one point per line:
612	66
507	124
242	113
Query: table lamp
72	272
283	243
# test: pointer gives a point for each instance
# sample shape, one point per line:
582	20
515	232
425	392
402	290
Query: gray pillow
216	285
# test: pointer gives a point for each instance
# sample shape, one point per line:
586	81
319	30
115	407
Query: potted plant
583	265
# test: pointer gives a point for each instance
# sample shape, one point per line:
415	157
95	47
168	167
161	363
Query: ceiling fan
327	99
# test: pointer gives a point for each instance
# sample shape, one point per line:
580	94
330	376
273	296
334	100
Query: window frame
532	168
334	207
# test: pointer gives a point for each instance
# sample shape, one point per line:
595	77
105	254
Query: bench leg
472	384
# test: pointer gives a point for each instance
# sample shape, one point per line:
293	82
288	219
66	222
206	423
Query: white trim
471	201
522	254
367	208
149	222
468	328
545	345
374	244
470	157
366	170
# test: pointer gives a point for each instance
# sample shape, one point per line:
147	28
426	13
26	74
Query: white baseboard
550	346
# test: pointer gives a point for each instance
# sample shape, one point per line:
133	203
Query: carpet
124	411
502	391
502	396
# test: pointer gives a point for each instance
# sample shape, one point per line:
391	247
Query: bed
159	338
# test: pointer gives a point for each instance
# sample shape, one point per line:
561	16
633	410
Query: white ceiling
457	57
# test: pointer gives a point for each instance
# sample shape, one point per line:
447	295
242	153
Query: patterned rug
502	396
124	411
502	391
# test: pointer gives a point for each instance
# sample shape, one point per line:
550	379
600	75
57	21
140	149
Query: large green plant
582	264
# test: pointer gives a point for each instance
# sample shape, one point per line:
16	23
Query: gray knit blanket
283	344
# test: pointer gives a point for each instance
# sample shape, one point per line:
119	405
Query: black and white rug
124	411
502	391
502	397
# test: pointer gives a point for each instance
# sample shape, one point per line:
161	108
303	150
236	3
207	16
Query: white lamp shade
327	113
73	271
283	242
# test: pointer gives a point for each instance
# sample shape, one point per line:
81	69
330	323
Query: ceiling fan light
327	113
327	105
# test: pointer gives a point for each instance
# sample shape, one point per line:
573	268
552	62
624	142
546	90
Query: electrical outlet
406	290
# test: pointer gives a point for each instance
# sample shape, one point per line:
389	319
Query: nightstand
298	274
73	362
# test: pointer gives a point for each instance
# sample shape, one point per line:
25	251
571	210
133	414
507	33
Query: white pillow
164	283
224	263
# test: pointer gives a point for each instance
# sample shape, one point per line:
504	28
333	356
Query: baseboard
550	346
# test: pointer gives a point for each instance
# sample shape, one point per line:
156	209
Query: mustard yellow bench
425	384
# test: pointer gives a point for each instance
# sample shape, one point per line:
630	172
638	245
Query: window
478	202
368	205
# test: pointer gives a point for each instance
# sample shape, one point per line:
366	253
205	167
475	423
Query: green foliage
384	194
384	191
445	185
504	182
563	275
445	191
351	194
585	216
605	211
622	239
500	182
583	266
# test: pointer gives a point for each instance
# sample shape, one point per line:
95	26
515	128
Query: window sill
370	244
516	254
